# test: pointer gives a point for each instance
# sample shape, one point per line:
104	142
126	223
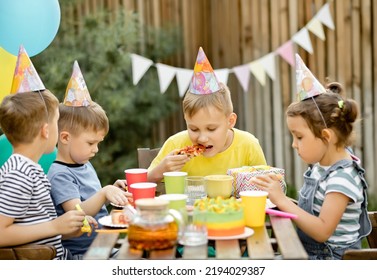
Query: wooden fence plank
356	69
369	159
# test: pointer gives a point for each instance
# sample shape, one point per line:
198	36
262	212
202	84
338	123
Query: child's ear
232	119
45	131
64	137
327	134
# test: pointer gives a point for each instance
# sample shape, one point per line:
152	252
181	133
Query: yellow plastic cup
254	203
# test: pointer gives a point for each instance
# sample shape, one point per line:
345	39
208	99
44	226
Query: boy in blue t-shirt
82	125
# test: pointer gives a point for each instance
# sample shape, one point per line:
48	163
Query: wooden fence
236	32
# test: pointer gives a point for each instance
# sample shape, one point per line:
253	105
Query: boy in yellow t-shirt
210	120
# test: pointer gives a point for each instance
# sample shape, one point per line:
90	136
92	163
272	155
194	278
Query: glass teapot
154	226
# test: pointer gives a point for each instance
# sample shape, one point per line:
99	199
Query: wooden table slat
228	249
195	252
288	242
127	253
167	254
259	246
102	246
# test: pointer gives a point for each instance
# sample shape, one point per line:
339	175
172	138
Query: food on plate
223	217
119	217
192	151
86	226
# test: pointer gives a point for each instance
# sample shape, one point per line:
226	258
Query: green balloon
6	150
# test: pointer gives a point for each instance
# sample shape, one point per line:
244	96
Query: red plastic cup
135	175
143	190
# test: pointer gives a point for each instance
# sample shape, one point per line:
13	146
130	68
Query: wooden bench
28	252
368	253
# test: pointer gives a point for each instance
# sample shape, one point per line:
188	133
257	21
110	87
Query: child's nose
202	138
294	146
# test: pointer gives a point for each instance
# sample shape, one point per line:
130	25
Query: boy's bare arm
13	234
94	204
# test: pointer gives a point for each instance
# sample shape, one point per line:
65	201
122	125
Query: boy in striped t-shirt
332	205
29	119
27	213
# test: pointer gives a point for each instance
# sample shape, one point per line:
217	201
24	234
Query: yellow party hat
25	77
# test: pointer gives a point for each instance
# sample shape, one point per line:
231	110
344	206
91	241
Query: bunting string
260	68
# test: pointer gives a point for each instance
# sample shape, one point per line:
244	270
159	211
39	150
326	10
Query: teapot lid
151	203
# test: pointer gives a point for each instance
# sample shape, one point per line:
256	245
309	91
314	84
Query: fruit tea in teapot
154	226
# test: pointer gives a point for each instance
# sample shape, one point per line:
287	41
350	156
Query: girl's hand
271	184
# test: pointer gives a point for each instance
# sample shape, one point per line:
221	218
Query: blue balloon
31	23
6	150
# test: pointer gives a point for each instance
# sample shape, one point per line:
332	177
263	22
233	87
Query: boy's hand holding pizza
175	160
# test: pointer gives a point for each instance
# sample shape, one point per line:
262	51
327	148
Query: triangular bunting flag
242	73
257	69
315	26
140	66
268	63
303	39
166	74
222	75
287	53
325	17
183	80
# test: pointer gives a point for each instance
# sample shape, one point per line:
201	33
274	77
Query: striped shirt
345	181
25	196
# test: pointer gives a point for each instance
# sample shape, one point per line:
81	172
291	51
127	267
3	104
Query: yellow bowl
218	185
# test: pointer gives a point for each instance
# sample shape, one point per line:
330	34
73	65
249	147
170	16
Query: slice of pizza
192	151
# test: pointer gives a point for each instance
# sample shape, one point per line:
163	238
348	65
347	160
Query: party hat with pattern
25	77
77	93
307	84
204	80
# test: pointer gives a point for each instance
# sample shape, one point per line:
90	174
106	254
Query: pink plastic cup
135	175
143	190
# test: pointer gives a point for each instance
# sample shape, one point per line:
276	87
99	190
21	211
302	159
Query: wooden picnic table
276	240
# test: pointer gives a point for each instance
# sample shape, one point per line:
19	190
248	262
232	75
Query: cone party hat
25	77
204	80
77	93
307	84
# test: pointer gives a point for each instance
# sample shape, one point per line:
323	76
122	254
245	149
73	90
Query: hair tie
340	104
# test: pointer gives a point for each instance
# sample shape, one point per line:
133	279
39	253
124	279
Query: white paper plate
106	221
248	232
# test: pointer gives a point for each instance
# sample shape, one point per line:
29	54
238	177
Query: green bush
102	49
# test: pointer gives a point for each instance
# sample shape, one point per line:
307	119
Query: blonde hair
221	100
77	119
22	115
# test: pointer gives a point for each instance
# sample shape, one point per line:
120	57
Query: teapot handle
180	219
